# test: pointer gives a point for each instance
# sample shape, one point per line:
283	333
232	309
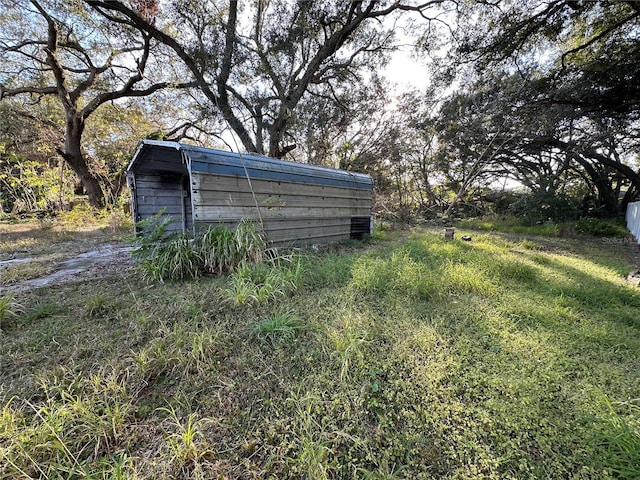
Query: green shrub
599	227
545	207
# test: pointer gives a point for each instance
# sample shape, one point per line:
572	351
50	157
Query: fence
633	219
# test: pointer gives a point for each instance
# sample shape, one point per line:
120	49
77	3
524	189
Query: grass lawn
409	357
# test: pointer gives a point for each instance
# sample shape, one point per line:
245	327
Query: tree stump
448	233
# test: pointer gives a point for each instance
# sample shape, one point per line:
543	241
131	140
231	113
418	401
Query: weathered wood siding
160	182
292	212
156	193
297	203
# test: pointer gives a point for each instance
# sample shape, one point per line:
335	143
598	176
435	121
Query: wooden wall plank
213	214
149	210
205	182
302	235
292	213
273	202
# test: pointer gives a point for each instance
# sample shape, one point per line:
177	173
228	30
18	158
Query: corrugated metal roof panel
208	160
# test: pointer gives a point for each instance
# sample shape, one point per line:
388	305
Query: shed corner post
187	161
131	183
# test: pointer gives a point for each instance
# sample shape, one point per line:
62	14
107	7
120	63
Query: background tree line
530	108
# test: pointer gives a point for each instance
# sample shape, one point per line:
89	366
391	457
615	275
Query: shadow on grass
425	358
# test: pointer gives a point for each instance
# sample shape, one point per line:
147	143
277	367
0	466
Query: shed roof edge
143	143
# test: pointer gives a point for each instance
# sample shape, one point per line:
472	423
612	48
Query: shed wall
167	193
292	213
198	187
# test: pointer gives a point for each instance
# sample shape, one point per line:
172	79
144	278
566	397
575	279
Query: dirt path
106	259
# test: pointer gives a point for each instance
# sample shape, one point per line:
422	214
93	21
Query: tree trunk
72	154
607	199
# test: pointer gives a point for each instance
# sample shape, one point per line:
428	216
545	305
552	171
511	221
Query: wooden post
448	233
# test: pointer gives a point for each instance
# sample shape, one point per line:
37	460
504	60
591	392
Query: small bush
80	215
599	227
545	207
512	224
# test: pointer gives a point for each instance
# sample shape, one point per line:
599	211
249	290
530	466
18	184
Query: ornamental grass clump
165	255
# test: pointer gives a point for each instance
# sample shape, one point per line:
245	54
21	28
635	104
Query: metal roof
220	162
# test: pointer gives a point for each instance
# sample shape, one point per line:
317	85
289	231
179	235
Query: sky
405	71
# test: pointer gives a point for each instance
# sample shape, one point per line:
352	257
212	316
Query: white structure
633	219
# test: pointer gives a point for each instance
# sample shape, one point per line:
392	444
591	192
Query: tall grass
188	444
279	327
411	358
173	256
9	308
74	432
262	283
617	439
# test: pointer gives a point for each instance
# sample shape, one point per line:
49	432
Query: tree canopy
60	49
542	95
255	62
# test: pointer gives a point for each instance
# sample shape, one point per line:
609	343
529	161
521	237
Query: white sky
407	72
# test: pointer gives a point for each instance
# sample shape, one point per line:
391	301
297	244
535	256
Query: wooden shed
295	203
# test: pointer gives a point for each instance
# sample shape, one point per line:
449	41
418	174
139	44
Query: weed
100	306
29	269
328	270
512	224
314	453
617	439
279	327
73	430
346	343
250	245
79	215
241	291
273	287
218	249
185	439
262	283
179	346
601	228
531	245
9	308
163	255
178	260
